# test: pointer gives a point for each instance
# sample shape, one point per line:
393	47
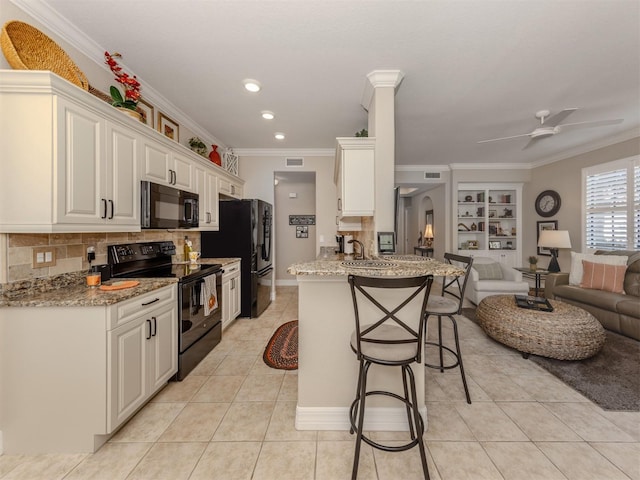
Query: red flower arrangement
130	84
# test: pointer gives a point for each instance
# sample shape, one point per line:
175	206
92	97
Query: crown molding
285	152
41	11
379	79
422	168
490	166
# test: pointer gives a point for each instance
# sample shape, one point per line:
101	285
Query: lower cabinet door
162	349
127	388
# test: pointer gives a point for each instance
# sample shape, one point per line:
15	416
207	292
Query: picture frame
495	228
168	127
302	231
545	225
147	111
493	213
495	245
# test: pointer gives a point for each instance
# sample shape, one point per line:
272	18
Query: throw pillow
575	274
599	276
488	271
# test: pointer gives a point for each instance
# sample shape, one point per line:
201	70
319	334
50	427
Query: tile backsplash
71	250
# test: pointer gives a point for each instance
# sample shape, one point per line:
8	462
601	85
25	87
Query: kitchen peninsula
327	367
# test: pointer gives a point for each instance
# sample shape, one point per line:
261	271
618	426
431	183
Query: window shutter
606	206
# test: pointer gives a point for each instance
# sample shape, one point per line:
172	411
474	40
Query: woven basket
27	48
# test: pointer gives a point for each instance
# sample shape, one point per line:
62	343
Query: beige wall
290	249
565	177
434	199
258	173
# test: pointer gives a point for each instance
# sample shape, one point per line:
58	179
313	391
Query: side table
537	275
423	251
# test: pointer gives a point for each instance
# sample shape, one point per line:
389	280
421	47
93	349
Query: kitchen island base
328	368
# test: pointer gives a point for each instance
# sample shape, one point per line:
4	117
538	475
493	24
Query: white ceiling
473	70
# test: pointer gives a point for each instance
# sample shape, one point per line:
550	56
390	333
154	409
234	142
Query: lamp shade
554	239
428	231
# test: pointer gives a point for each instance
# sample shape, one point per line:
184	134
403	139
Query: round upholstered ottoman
567	333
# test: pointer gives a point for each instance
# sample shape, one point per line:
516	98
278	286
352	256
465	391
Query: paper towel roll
348	247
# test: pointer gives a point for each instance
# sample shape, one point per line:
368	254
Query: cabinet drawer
231	271
126	311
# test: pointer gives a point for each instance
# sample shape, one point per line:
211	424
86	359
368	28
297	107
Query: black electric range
199	331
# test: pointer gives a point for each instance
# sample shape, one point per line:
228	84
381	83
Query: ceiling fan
551	125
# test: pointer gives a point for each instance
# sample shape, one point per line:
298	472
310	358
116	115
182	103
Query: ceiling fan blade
554	120
530	143
593	123
504	138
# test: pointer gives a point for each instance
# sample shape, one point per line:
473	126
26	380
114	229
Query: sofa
618	312
488	277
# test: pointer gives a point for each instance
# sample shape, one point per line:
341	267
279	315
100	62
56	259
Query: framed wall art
147	111
168	127
545	225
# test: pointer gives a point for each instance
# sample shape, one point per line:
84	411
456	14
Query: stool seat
386	352
442	305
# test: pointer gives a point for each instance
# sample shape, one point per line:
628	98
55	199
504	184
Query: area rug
611	378
281	351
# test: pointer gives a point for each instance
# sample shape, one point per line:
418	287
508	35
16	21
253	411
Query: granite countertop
223	261
77	294
70	289
384	266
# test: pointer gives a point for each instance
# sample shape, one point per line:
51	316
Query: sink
369	264
408	258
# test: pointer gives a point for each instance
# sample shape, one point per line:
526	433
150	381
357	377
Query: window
612	205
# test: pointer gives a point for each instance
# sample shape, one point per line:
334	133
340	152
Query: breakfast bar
327	367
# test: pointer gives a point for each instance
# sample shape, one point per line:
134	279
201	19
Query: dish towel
208	296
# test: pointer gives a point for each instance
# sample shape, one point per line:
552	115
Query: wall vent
431	175
295	162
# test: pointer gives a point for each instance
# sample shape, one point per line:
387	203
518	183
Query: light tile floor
232	418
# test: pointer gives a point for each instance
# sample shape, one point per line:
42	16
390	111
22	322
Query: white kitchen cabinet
143	354
80	170
165	167
206	186
81	160
91	367
355	176
229	187
230	293
489	221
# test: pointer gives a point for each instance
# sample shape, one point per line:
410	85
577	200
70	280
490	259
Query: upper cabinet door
81	164
355	176
156	160
122	189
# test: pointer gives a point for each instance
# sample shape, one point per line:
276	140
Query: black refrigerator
245	232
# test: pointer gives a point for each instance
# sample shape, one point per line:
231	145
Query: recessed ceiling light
267	115
252	85
279	136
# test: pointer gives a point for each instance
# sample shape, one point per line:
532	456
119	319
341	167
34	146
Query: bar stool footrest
443	347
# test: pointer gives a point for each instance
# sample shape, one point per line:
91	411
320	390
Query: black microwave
167	207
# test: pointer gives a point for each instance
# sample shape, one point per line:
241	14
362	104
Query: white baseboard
337	418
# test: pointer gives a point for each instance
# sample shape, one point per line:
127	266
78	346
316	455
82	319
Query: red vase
214	156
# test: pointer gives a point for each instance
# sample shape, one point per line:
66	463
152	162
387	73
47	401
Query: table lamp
428	236
553	240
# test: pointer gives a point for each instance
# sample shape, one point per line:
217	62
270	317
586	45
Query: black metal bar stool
389	341
448	306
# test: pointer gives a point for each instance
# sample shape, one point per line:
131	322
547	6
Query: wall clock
548	203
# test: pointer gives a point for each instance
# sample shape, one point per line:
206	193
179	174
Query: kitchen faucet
362	257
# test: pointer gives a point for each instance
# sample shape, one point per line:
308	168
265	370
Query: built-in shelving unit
488	221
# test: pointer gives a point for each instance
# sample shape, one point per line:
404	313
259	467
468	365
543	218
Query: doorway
295	226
